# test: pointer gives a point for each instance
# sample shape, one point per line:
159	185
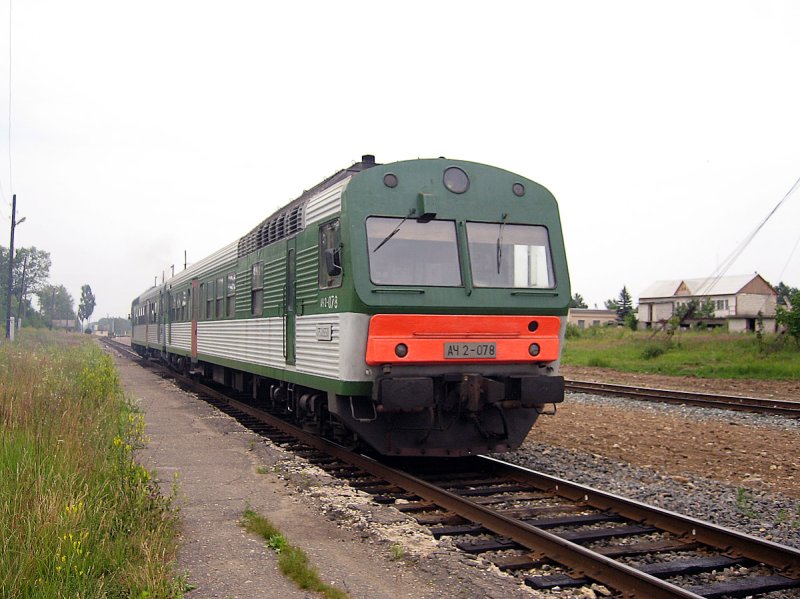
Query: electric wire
711	281
789	259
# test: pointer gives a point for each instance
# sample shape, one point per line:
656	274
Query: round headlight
401	350
390	180
456	180
518	189
533	349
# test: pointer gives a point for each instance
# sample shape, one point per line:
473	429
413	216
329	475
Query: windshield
409	252
503	255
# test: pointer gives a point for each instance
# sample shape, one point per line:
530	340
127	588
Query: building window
231	286
257	289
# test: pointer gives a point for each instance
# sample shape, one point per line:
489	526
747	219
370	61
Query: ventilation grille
278	227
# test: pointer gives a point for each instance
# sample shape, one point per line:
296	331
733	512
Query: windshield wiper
500	242
396	229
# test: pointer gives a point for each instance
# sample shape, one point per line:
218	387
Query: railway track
786	408
549	532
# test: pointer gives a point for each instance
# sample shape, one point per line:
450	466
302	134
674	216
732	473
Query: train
417	308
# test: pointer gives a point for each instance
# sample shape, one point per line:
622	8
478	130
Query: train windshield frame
510	256
405	251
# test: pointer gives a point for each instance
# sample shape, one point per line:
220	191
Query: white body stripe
343	357
181	336
259	341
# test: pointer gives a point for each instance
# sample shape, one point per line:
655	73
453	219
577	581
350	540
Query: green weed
292	561
79	518
744	503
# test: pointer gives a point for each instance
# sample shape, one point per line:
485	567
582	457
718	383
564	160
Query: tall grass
78	517
714	354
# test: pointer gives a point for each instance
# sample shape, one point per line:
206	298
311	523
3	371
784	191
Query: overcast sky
666	131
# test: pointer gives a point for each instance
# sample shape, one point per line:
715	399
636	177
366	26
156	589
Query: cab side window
330	255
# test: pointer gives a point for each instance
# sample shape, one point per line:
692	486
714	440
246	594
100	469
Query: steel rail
781	557
572	555
726	402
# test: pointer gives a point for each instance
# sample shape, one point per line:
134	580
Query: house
588	317
738	301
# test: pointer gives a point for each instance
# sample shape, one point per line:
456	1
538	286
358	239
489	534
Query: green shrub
652	351
599	362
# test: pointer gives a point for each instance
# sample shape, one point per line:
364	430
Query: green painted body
420	187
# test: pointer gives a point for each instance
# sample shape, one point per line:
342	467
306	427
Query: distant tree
55	303
707	308
577	301
784	292
31	271
86	307
624	305
790	317
611	304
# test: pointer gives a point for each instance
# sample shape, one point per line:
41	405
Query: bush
790	318
653	351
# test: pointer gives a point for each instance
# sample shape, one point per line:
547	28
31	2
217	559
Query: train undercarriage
420	412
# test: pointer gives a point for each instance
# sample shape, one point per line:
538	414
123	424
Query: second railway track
550	532
788	408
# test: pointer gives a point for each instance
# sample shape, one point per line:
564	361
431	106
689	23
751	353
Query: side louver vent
275	228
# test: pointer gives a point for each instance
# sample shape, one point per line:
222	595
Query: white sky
666	131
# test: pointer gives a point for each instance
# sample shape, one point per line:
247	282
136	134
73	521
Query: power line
712	280
789	259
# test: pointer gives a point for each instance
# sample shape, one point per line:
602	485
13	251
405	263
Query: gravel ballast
770	515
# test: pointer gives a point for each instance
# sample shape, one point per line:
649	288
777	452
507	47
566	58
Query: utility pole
14	223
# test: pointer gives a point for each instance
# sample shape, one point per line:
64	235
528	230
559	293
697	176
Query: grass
79	518
292	561
712	354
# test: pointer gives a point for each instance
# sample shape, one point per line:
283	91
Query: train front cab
464	271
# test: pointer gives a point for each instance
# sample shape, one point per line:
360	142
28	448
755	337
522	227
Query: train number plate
486	351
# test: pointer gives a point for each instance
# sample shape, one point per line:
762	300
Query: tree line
31	280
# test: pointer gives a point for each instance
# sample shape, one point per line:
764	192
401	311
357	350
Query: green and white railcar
418	306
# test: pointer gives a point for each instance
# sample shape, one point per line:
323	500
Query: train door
194	306
163	313
289	308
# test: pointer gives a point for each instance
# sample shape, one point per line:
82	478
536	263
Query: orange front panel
427	337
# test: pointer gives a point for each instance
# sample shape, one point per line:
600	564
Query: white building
588	317
738	301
